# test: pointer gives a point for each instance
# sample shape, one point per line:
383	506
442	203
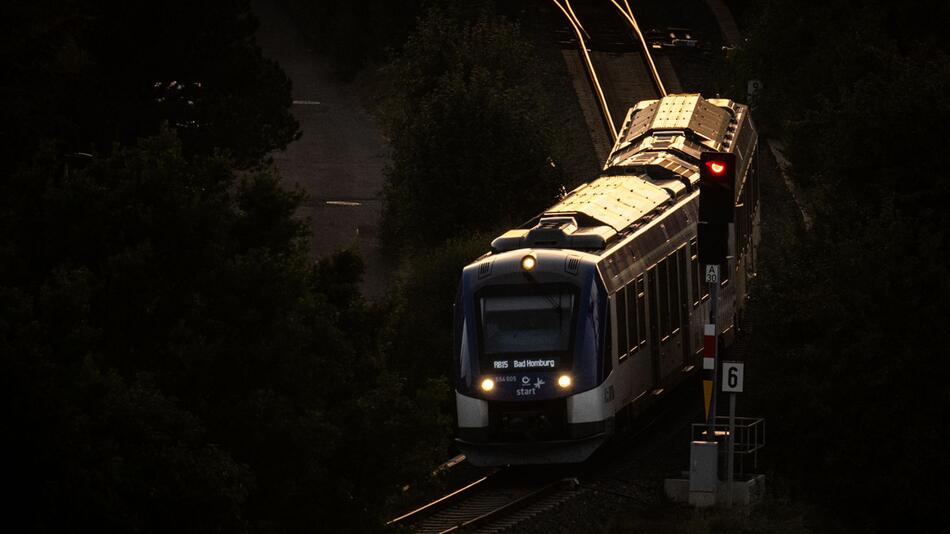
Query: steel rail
578	21
441	501
508	508
628	14
575	23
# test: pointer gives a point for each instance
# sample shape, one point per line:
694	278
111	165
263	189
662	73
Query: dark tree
851	309
471	130
90	74
172	360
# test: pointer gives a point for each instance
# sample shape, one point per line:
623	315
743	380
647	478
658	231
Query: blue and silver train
595	307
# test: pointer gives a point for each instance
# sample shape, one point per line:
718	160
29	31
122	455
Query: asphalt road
340	158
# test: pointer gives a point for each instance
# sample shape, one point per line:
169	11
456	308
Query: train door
654	323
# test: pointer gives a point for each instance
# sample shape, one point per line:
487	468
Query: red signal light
717	181
716	167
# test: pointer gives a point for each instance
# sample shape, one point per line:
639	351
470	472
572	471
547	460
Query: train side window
753	204
632	334
654	307
746	214
641	311
663	296
608	352
740	219
674	293
682	304
694	267
621	306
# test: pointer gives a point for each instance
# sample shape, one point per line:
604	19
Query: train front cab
532	381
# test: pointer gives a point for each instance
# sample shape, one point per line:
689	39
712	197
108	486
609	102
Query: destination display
525	363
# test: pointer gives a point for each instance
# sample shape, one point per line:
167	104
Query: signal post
702	487
717	178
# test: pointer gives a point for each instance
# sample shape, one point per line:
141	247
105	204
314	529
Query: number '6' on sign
732	375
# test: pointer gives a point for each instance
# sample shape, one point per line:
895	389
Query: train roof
653	165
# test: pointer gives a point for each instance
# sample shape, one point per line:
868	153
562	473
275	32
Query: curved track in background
628	14
614	58
591	70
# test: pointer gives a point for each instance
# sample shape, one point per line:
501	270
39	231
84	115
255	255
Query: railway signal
717	179
717	184
712	240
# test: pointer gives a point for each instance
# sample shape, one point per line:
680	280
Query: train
594	309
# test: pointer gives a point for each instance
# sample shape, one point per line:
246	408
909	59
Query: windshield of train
527	331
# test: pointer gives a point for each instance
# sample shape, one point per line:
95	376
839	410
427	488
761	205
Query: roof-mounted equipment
554	232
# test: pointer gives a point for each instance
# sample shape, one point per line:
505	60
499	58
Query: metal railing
749	438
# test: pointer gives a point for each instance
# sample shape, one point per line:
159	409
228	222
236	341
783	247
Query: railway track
582	39
617	63
504	499
615	57
493	503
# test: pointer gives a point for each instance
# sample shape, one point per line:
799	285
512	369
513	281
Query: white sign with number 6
732	375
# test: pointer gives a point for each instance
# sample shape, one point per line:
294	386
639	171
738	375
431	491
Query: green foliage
170	358
172	361
85	73
471	130
852	376
849	344
420	325
417	336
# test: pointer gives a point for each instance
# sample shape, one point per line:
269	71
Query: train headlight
528	263
564	381
488	384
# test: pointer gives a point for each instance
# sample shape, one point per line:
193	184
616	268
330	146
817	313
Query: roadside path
340	158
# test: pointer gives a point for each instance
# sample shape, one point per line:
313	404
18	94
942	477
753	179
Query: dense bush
851	373
471	127
177	364
93	73
419	336
171	360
